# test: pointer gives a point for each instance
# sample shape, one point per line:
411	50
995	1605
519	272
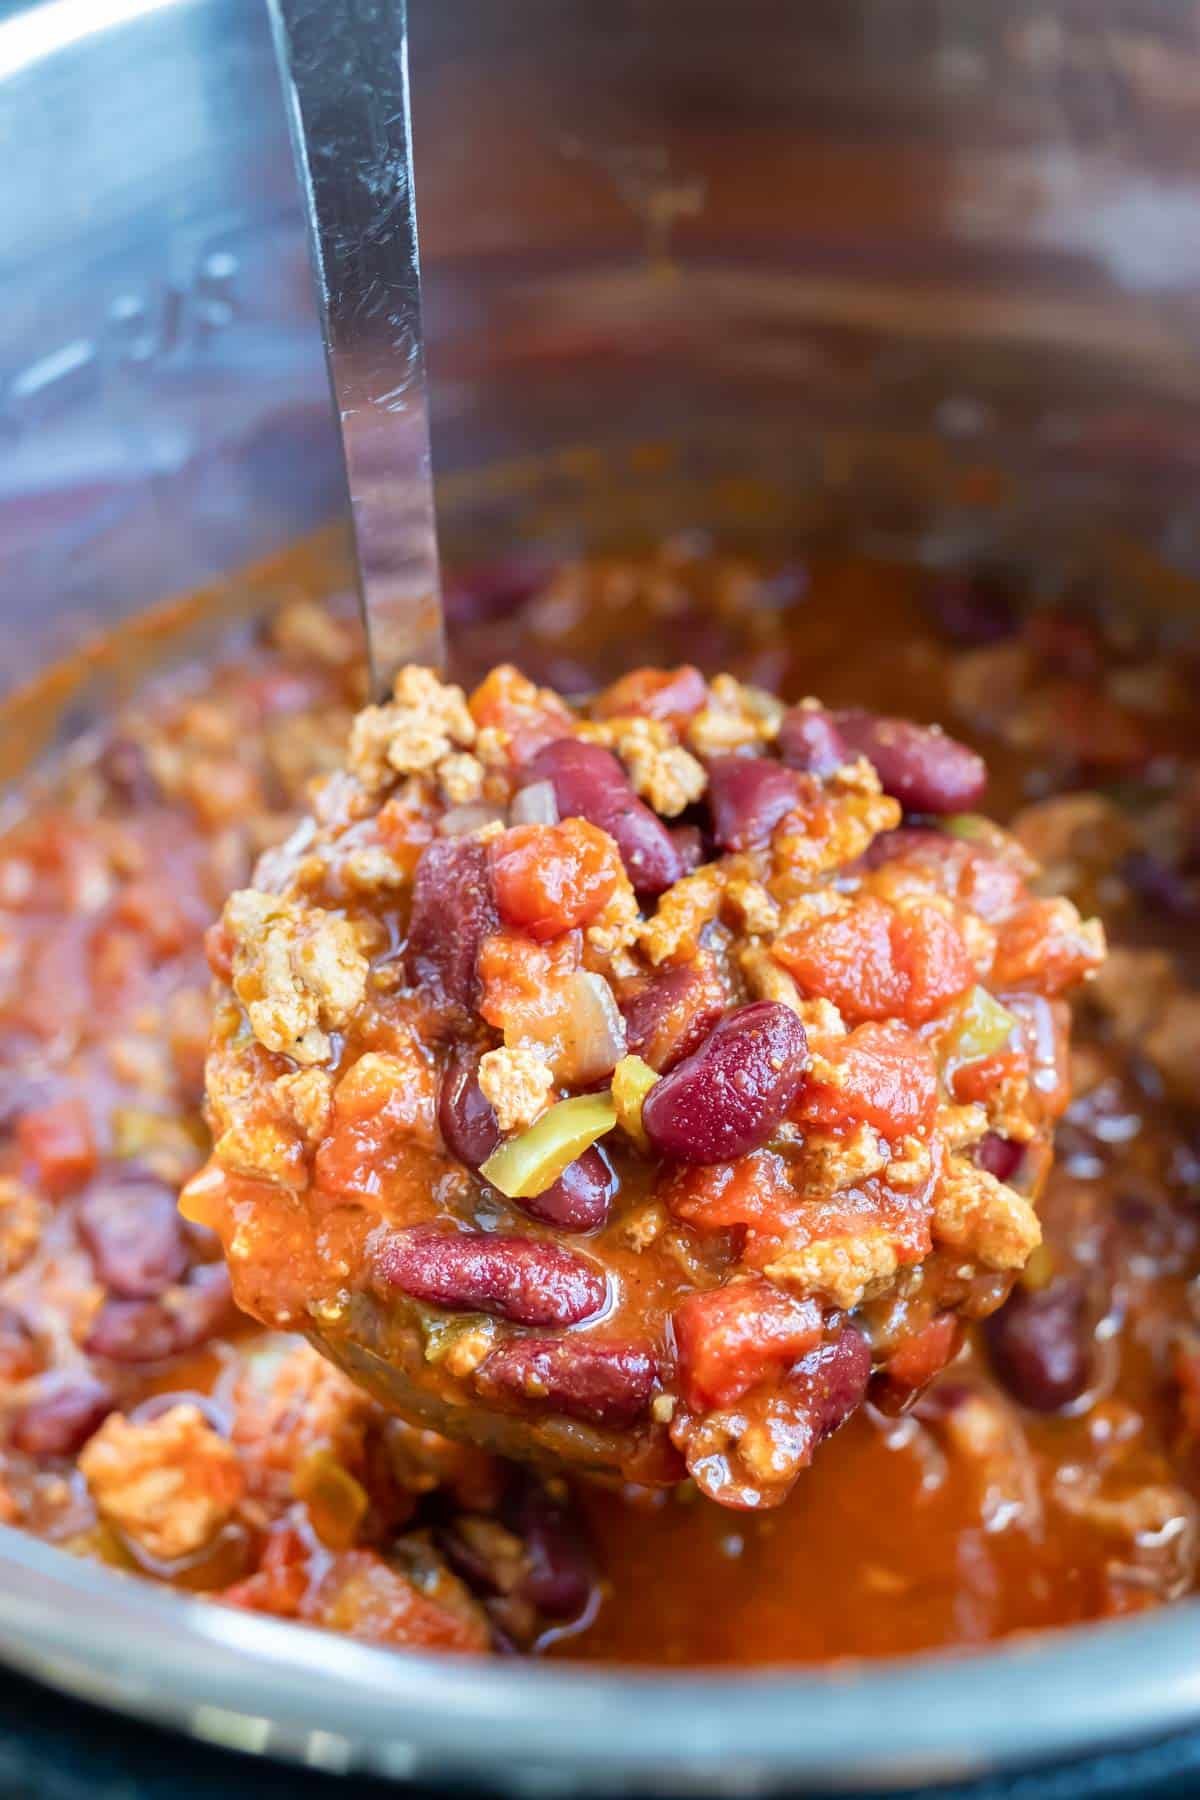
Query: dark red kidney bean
516	1278
452	912
810	741
133	1230
731	1093
61	1419
203	1306
589	783
832	1381
673	1014
579	1200
974	609
1168	890
606	1384
466	1119
125	770
1000	1156
559	1575
918	765
748	796
1041	1345
689	842
131	1331
490	591
923	841
20	1354
140	1331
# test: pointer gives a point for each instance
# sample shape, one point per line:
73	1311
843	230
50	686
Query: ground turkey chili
1048	1476
670	1073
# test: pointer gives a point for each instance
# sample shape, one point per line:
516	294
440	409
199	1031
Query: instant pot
914	276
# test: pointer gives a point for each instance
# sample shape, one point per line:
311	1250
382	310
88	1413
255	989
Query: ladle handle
345	75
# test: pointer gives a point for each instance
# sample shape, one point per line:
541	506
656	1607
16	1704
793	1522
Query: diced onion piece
336	1502
590	1029
459	821
631	1082
982	1026
534	805
529	1164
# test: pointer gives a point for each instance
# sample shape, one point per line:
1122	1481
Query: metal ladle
344	65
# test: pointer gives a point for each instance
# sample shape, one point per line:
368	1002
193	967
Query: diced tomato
365	1597
522	982
919	1357
531	716
281	1581
404	829
977	1081
732	1338
755	1190
876	962
886	1079
383	1118
1046	947
219	951
59	1142
548	879
853	1215
673	695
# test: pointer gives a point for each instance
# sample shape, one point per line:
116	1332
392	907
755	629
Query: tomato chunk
1046	946
58	1141
548	879
669	694
732	1338
876	962
754	1190
531	716
885	1077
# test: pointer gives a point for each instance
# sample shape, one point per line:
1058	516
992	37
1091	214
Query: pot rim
269	1687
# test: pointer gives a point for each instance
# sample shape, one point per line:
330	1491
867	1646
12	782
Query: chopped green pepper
529	1164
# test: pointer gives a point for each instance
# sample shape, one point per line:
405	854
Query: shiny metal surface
961	315
345	76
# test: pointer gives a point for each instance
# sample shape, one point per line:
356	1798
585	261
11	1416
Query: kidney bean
62	1417
589	783
674	1012
689	842
452	912
832	1381
918	765
1168	890
974	609
466	1119
1000	1156
20	1354
748	796
1040	1344
560	1576
491	591
579	1199
138	1331
731	1093
606	1384
809	740
125	769
522	1279
132	1228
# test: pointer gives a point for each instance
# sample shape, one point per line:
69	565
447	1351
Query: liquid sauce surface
978	1514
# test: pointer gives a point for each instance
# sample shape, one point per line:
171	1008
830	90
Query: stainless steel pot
925	275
